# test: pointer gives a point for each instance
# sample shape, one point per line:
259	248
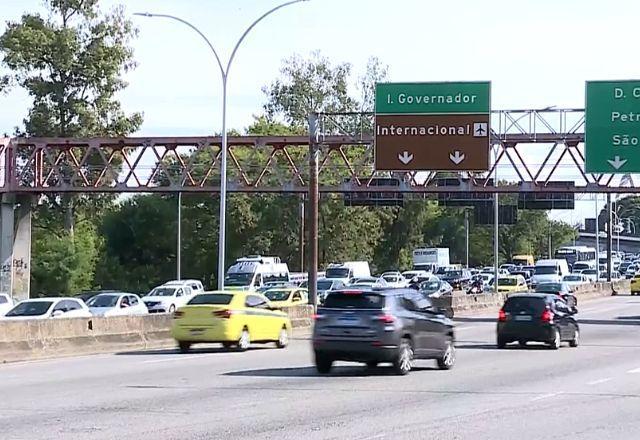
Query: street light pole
224	72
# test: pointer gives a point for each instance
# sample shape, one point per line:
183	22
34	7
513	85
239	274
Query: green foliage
65	262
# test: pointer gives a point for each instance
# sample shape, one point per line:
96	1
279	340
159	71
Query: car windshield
162	291
390	278
546	270
572	278
103	301
364	300
453	274
549	288
324	285
430	286
211	299
507	282
30	308
590	272
238	279
3	299
337	272
277	295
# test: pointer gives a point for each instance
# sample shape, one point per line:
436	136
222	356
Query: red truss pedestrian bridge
532	149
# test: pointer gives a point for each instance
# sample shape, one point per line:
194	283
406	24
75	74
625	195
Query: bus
576	253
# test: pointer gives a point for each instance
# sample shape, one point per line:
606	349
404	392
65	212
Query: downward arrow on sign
405	157
456	157
617	162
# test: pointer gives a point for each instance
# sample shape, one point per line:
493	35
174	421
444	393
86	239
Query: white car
409	274
591	274
117	304
6	303
395	280
167	298
195	285
45	308
575	279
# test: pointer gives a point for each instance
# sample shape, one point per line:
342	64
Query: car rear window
365	300
211	299
525	304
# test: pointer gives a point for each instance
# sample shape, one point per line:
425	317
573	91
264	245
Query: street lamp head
143	14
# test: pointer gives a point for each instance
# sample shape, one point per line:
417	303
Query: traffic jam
392	318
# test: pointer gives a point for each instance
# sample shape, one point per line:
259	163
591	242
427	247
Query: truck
253	271
430	259
347	270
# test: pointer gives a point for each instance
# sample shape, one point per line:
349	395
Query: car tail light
502	316
178	314
317	317
224	314
386	318
547	316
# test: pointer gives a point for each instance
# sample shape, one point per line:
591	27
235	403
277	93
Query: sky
536	53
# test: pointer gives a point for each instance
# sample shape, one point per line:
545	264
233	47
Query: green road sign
612	127
433	98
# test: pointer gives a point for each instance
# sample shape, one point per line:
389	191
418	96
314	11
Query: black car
388	325
459	279
537	317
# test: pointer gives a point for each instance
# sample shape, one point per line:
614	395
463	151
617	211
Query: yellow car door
259	318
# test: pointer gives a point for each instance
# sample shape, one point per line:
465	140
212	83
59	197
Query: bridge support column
15	245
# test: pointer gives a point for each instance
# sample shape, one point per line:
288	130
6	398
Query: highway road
589	392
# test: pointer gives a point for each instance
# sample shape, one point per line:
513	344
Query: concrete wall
20	340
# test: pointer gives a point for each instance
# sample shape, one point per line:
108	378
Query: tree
71	63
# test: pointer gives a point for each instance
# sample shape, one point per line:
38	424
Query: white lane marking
635	371
181	358
599	381
466	328
545	396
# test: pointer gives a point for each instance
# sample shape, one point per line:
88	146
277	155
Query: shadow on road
175	351
514	346
620	320
341	371
474	319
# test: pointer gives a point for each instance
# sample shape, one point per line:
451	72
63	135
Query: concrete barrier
34	339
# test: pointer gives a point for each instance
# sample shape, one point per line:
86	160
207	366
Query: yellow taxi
287	297
635	284
232	318
512	284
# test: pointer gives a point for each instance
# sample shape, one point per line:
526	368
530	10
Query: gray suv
374	326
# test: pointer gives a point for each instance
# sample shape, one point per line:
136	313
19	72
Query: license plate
197	331
522	318
348	320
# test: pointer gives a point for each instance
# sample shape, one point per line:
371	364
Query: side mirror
57	313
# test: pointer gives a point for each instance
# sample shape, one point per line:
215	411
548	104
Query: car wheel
323	363
245	340
501	343
227	344
184	346
283	338
404	361
372	364
576	339
522	343
172	308
448	359
556	341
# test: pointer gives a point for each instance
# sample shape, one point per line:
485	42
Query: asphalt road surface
589	392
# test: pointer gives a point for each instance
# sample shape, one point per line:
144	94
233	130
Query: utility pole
313	209
179	244
609	237
597	240
466	233
302	220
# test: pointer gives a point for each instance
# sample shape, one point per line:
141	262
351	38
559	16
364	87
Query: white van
252	272
347	270
549	271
